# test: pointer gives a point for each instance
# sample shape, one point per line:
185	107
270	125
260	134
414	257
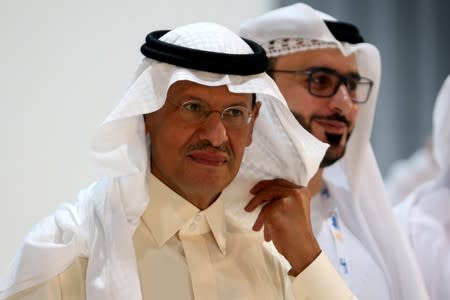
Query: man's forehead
187	89
325	58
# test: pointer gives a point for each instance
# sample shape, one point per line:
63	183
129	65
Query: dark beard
332	139
328	160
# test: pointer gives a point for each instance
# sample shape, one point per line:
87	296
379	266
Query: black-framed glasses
325	82
196	112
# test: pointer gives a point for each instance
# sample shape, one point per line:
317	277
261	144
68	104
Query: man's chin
331	156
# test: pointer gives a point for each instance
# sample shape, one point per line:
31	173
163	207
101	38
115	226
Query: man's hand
286	220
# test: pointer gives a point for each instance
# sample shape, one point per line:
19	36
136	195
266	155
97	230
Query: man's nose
213	130
342	101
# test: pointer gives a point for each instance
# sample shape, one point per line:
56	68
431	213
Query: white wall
63	67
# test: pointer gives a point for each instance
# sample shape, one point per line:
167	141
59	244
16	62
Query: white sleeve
69	284
320	281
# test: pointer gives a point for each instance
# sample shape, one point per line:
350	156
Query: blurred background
65	64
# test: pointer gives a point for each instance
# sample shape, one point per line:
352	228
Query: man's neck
316	183
202	199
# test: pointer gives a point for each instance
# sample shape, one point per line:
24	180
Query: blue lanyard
334	226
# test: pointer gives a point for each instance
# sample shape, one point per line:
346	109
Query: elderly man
425	214
160	225
330	79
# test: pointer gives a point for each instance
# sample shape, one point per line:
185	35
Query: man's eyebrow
354	74
186	96
350	73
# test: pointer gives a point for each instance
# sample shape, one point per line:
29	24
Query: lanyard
334	225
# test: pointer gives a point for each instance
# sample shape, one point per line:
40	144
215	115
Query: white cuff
320	281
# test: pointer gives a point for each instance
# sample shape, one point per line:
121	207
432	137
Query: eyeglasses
324	82
196	112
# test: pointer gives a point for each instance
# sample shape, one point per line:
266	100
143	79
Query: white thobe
348	255
427	222
185	253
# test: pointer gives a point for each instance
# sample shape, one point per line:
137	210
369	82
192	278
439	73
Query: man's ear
255	114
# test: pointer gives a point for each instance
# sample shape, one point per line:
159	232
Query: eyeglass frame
208	112
341	80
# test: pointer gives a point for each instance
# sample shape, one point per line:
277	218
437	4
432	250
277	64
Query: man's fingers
259	221
267	233
257	200
272	182
270	194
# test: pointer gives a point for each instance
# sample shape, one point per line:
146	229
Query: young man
167	221
330	79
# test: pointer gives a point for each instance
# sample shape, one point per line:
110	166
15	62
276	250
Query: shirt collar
168	213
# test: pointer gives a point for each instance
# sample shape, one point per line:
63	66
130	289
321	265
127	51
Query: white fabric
405	175
185	253
101	222
361	273
184	245
425	214
441	127
355	178
291	45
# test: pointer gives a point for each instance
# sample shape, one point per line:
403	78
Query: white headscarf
425	213
100	224
356	176
405	175
441	127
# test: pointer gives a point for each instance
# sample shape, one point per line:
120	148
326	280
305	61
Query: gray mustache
205	145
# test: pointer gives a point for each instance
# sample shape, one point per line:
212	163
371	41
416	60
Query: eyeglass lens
197	112
325	83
